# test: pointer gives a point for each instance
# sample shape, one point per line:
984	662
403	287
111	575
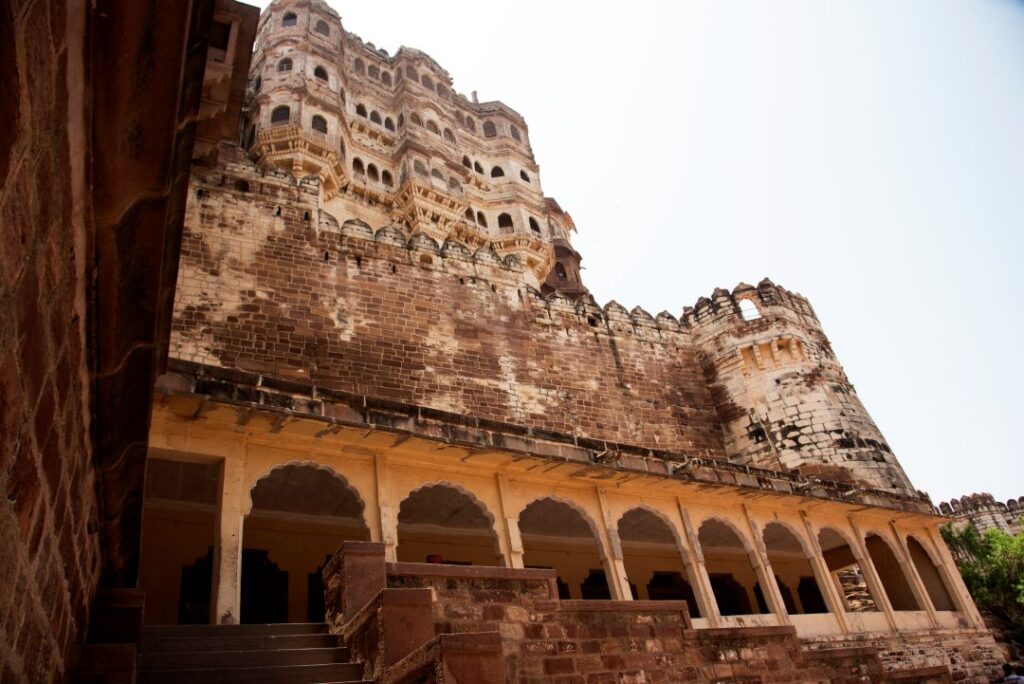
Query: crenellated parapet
985	512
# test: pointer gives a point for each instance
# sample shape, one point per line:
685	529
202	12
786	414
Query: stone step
177	660
160	631
290	674
235	643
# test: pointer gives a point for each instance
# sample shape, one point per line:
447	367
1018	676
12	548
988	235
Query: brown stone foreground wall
406	621
269	285
49	558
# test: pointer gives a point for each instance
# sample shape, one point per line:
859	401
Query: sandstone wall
268	284
49	554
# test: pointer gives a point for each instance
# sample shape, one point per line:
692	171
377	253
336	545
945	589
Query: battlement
767	300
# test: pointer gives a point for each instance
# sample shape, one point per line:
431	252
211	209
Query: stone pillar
615	568
833	599
874	582
508	527
226	592
388	514
698	572
955	582
916	583
764	572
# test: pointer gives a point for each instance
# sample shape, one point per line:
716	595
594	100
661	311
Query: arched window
470	124
524	176
490	130
415	118
453	183
437	174
465	162
515	133
410	73
460	117
427	82
432	127
357	166
385	177
289	19
371	171
442	91
319	124
358	65
385	77
504	220
469	214
322	28
361	110
476	167
534	226
280	114
375	117
481	219
749	310
497	172
389	124
401	120
372	71
560	270
449	136
320	73
419	167
284	65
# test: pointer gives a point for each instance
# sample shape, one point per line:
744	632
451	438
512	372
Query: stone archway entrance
300	515
556	535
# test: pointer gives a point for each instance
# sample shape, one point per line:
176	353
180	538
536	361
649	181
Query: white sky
866	153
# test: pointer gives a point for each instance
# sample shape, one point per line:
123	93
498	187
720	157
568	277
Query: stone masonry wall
266	285
49	563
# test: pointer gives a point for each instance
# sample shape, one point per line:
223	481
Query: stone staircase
253	654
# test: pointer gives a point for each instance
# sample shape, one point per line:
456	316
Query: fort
377	415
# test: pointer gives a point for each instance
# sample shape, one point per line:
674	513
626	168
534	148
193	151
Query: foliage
992	565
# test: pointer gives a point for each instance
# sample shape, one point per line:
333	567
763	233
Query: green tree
992	565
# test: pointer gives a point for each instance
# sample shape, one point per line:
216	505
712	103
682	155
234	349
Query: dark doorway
595	586
670	586
194	594
810	596
731	596
264	589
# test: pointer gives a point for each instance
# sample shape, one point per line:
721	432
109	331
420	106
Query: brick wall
267	284
49	563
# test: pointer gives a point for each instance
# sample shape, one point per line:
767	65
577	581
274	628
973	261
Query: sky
868	154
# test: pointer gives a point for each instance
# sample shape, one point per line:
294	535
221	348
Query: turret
782	397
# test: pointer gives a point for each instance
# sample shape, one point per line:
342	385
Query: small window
257	83
280	114
490	130
524	176
385	177
437	174
442	91
460	117
375	117
534	226
415	118
361	110
320	73
504	220
290	19
449	136
560	270
358	65
476	167
410	73
470	124
432	127
497	172
220	35
319	124
401	120
389	124
357	166
427	82
481	219
419	167
322	28
466	162
749	310
284	65
373	72
242	185
372	172
469	214
515	133
453	183
385	77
